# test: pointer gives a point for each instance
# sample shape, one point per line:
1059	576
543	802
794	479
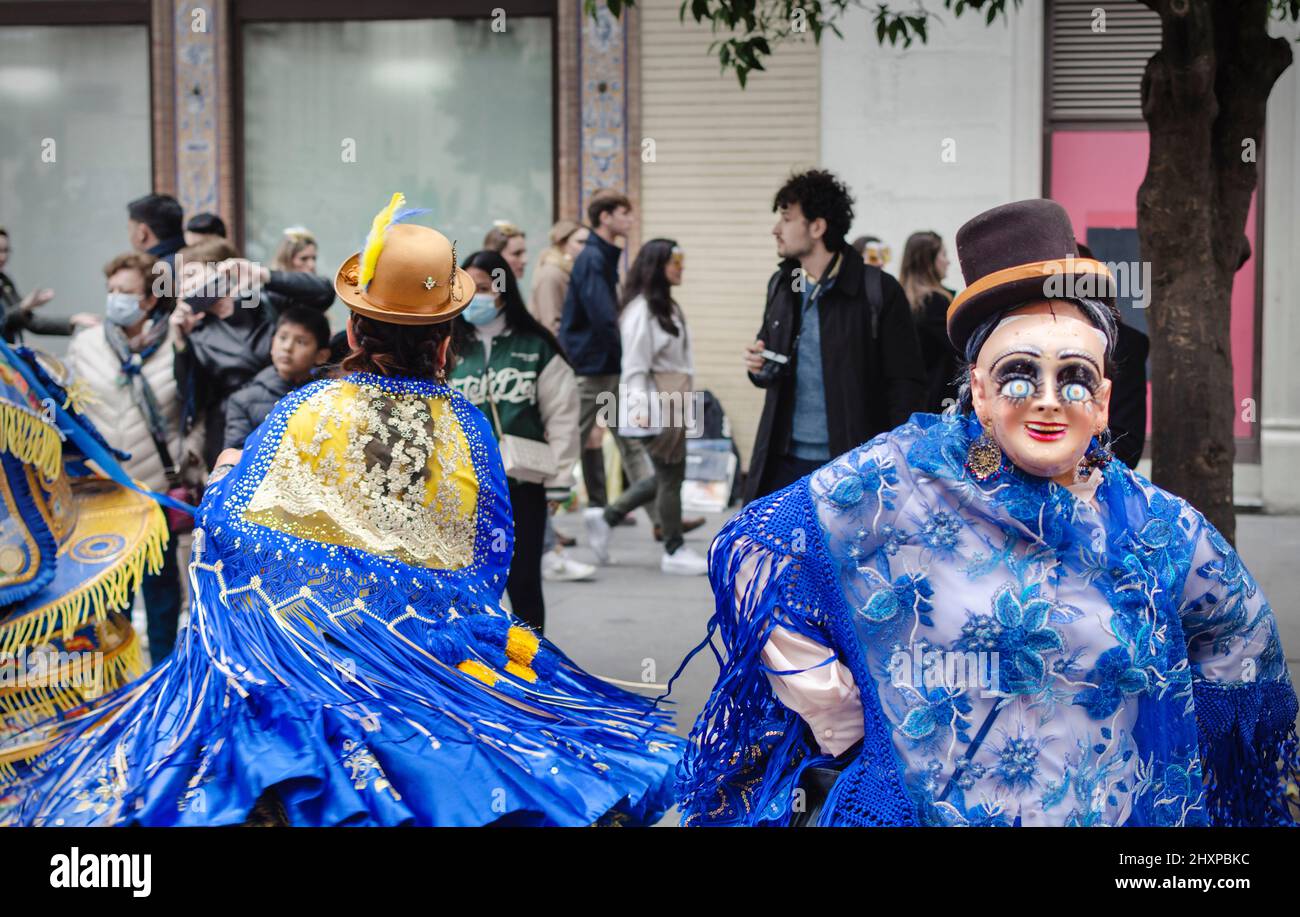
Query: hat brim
356	299
1058	278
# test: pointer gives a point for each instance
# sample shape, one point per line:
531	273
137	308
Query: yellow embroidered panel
386	472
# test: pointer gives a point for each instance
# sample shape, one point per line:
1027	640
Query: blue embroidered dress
1021	656
347	651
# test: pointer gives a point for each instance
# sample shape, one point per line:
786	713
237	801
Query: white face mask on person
123	309
482	309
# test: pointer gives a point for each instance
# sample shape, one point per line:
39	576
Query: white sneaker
559	568
684	562
597	532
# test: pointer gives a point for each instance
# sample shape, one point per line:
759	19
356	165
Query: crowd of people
196	345
357	534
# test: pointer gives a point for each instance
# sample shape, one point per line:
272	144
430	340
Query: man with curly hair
837	352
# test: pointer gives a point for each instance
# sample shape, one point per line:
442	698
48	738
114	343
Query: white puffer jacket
114	412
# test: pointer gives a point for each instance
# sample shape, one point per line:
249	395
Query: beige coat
114	412
550	283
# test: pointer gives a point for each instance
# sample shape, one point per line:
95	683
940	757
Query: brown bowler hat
1016	254
416	280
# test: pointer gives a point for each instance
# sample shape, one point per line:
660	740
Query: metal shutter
720	155
1097	76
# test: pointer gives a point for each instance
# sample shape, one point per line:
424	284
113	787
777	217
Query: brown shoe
688	525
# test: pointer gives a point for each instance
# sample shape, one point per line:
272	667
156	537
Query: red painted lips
1046	432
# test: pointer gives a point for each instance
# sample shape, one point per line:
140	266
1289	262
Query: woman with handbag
655	402
513	370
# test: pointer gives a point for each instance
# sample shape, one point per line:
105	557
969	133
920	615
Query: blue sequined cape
1138	675
347	651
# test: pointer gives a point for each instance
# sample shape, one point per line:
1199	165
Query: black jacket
14	319
873	383
941	359
589	326
248	407
1128	395
295	288
221	356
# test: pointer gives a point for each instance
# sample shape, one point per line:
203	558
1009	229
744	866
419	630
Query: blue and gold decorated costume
347	651
73	549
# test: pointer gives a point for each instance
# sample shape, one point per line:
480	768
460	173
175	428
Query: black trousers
784	471
524	584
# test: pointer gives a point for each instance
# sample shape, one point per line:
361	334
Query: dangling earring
1099	456
984	457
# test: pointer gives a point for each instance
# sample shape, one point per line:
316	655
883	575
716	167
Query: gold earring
984	456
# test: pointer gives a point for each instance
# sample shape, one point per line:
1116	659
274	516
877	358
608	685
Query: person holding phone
219	347
837	352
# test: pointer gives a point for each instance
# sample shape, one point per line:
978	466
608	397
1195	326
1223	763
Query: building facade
274	113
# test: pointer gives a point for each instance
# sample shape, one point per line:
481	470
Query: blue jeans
162	604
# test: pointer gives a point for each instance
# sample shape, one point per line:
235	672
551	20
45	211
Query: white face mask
123	309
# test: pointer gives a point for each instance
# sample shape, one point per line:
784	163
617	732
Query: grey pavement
634	624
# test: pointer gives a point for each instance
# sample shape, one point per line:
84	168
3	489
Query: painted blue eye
1075	391
1017	388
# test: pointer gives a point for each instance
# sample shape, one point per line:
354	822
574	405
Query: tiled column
608	151
193	136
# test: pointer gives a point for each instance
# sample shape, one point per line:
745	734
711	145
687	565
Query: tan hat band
1026	272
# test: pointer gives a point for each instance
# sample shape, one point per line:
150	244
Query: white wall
1280	373
887	111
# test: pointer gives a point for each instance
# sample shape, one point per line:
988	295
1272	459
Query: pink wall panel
1095	175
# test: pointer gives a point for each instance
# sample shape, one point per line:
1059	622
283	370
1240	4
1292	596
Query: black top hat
1020	253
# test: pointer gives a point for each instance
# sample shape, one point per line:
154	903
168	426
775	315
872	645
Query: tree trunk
1203	93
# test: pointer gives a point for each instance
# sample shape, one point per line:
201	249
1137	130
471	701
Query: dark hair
518	319
646	277
160	212
861	242
208	224
307	318
386	349
820	195
605	200
1095	311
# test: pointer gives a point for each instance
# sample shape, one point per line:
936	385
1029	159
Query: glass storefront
74	150
338	115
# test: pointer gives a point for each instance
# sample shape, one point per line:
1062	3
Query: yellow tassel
521	645
110	590
27	437
478	670
521	671
375	241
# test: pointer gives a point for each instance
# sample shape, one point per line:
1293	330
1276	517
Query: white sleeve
823	695
557	400
638	353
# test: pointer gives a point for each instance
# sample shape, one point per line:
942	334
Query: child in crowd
301	343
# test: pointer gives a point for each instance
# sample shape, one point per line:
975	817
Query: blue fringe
1249	751
746	749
